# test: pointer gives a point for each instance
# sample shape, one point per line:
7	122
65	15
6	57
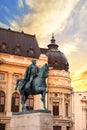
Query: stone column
60	107
9	95
63	106
84	119
63	127
8	126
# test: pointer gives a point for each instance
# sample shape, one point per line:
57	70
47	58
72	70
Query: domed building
56	58
59	88
17	50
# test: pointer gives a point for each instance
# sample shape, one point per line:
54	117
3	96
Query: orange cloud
79	80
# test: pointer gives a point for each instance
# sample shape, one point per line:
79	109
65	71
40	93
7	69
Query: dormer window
4	47
31	52
17	50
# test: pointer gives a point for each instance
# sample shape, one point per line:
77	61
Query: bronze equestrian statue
34	83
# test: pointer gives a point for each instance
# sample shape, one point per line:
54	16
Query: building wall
80	110
58	82
59	87
12	67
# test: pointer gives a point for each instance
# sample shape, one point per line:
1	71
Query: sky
67	19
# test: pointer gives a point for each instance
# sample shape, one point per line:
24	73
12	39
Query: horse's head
43	72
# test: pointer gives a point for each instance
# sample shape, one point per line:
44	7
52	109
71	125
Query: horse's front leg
23	100
43	99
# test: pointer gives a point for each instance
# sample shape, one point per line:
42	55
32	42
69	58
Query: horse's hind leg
22	102
26	97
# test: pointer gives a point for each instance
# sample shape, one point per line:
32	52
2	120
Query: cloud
79	79
3	25
20	4
46	17
67	20
69	46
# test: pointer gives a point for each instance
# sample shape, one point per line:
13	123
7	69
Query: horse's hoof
45	109
24	109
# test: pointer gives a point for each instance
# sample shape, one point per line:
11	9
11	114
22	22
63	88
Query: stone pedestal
32	121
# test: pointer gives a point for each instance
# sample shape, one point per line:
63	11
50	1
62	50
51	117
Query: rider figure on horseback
30	74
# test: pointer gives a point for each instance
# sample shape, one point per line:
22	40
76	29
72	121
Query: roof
19	43
43	50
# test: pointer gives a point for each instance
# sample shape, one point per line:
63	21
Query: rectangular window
15	78
56	127
66	109
2	76
2	126
56	108
67	128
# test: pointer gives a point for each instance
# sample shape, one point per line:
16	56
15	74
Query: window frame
28	103
67	109
57	128
2	105
14	101
2	76
2	126
55	108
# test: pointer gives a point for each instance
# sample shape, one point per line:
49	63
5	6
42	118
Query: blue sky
66	19
10	9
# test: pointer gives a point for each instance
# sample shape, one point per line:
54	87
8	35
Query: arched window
2	101
15	102
30	103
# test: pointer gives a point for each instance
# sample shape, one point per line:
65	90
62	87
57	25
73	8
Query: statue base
35	120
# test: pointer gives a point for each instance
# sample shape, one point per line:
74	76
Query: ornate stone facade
13	66
60	92
58	82
79	105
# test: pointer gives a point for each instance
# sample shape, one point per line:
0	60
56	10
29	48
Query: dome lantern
52	45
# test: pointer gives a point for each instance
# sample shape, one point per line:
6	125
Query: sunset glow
66	19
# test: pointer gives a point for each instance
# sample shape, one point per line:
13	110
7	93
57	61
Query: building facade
16	52
79	105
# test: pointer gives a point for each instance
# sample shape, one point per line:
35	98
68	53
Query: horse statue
38	86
